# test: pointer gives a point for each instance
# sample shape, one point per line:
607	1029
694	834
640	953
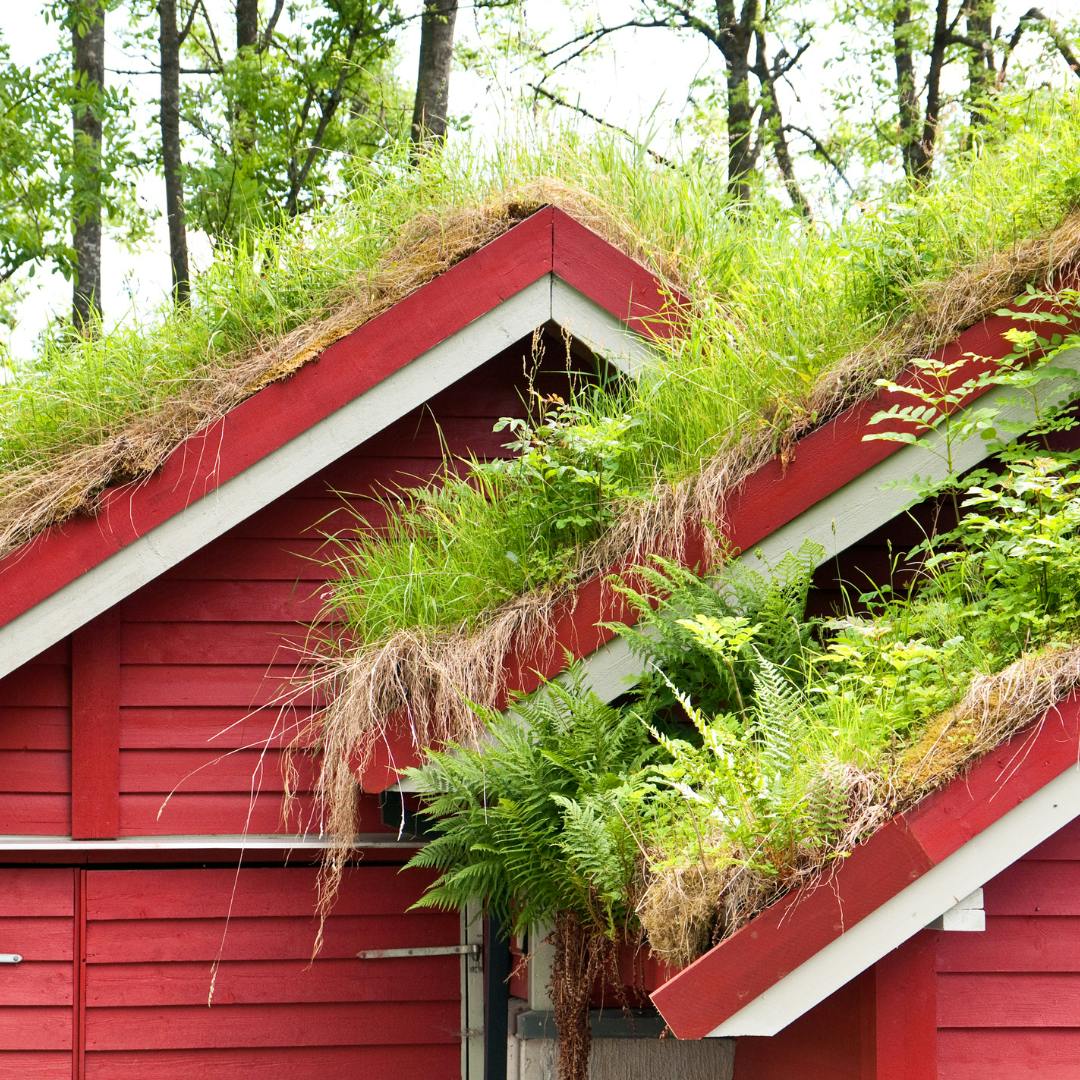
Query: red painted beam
611	279
95	729
906	1022
799	925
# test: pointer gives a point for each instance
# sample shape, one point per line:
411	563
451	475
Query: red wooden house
144	865
142	655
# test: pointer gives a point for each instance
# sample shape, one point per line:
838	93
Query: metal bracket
10	958
472	951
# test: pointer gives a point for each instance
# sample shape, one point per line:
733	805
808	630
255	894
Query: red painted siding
207	650
152	937
1009	998
35	745
36	1022
205	653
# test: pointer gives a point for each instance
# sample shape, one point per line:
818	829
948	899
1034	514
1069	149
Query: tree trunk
247	37
906	96
433	76
247	24
938	45
740	116
572	975
88	67
734	37
172	162
982	75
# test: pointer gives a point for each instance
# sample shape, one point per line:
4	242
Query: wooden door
37	1018
118	979
152	937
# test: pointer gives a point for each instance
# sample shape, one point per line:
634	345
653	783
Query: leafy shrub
538	821
542	826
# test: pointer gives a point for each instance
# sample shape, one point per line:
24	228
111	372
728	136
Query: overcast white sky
640	82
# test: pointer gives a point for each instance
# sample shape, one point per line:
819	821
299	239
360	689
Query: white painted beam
926	899
965	917
471	973
595	328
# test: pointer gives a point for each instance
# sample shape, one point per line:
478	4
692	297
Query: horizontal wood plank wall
152	937
36	1023
35	745
1009	998
208	649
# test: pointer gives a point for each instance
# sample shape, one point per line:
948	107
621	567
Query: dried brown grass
687	908
418	681
994	709
46	493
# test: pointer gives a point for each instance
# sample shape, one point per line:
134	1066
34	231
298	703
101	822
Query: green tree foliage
277	121
33	138
41	167
919	58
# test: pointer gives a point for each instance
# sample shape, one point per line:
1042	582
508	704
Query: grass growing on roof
782	740
776	306
779	303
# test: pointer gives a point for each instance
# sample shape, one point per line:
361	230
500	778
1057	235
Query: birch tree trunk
171	158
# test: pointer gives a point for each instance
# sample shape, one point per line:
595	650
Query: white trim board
236	842
900	918
192	528
589	323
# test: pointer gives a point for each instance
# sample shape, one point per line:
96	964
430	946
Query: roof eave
547	268
912	870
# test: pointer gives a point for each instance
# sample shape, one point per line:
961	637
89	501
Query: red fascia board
837	453
280	412
611	279
799	925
